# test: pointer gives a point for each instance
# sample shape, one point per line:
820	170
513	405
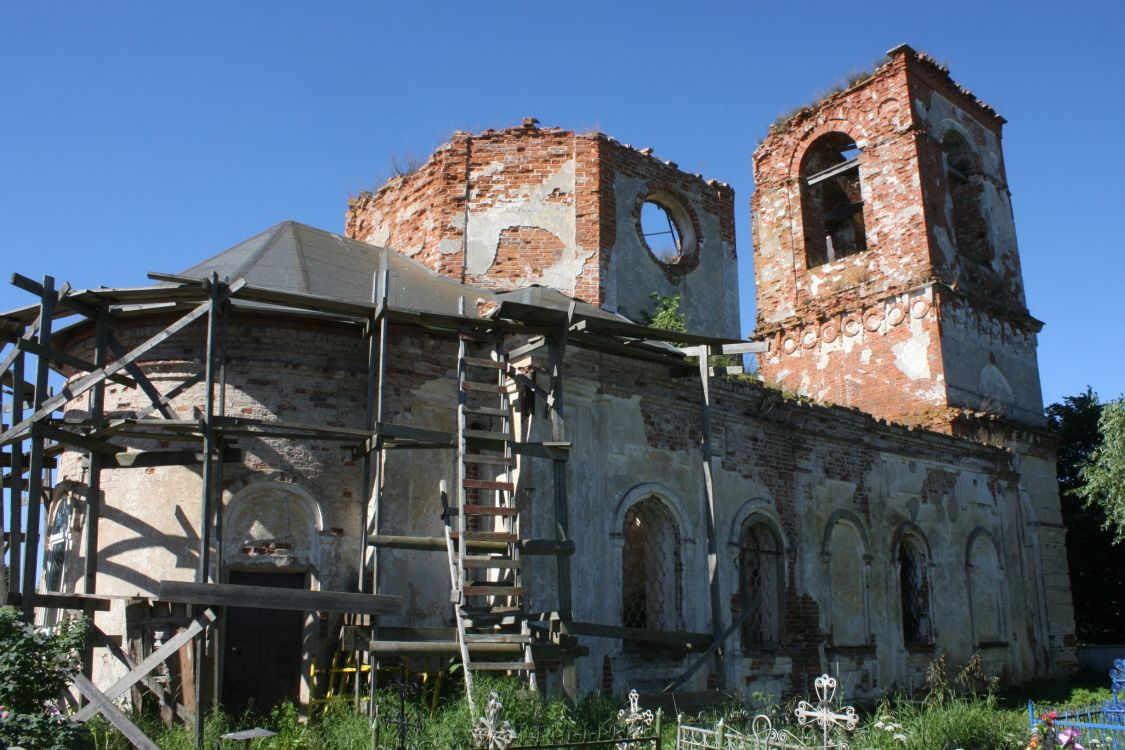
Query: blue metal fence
1102	724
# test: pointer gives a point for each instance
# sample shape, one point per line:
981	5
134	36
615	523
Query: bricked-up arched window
970	229
651	568
760	586
832	200
914	592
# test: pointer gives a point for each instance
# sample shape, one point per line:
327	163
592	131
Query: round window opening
666	230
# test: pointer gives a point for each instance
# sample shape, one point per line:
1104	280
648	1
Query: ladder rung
497	638
491	589
486	411
478	362
484	436
476	458
487	484
469	385
501	666
472	509
501	563
491	536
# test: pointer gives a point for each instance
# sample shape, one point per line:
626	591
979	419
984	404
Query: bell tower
888	276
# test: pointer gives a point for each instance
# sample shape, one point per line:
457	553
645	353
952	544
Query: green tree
36	666
1097	565
1103	472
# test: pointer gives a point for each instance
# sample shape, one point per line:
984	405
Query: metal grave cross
822	714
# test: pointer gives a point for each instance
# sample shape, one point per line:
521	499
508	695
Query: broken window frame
681	227
827	227
914	588
651	577
760	632
960	179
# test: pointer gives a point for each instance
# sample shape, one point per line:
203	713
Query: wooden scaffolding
484	542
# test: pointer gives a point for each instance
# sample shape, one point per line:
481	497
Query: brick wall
885	329
561	209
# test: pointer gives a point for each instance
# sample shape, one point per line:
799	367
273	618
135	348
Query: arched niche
273	523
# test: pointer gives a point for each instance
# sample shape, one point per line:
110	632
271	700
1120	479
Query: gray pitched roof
294	257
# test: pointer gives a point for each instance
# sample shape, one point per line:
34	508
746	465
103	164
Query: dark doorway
262	665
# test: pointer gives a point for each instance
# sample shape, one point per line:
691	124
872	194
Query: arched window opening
58	544
914	594
832	200
651	568
970	230
760	586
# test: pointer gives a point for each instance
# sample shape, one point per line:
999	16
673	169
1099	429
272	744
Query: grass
943	720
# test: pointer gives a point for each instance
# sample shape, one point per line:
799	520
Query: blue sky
146	136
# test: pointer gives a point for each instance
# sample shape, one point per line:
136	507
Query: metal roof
293	257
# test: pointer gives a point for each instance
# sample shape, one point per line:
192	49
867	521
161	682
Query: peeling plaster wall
635	430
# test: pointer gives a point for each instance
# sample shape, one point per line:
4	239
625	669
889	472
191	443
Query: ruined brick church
449	433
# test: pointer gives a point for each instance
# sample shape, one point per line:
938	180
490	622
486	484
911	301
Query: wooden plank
146	386
491	563
701	659
81	602
232	595
147	459
77	440
709	517
474	509
70	360
389	431
491	536
469	385
155	659
251	425
441	647
480	458
489	363
15	509
35	464
491	590
113	715
497	638
166	698
488	484
745	347
643	635
82	385
437	544
501	666
487	411
632	330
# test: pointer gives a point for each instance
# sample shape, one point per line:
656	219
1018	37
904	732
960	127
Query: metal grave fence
1102	725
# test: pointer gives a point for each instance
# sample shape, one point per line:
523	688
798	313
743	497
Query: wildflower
900	737
1068	738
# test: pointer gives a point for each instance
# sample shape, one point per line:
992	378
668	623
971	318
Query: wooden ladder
488	592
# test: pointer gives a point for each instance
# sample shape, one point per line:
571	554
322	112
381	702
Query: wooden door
262	652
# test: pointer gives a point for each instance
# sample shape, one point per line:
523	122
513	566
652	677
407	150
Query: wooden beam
155	659
62	358
702	658
644	635
264	597
746	347
395	432
709	515
113	714
50	432
115	650
85	383
146	459
437	544
82	602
